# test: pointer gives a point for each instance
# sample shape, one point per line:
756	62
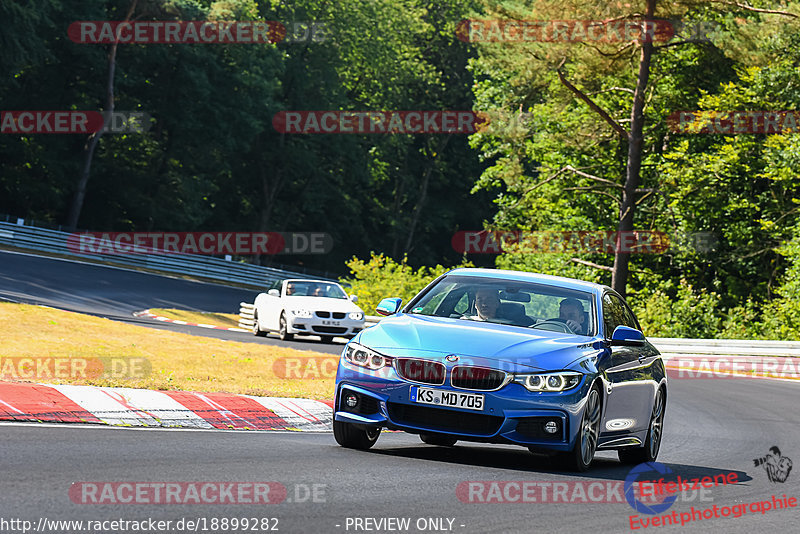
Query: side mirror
626	336
274	293
389	306
353	298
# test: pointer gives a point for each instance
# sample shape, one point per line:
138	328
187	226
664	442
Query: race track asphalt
712	426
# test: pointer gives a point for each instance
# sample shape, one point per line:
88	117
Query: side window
630	318
463	304
613	314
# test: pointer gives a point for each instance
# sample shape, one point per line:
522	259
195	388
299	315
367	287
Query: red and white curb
146	313
147	408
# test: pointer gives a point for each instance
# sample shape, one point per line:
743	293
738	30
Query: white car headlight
356	316
560	381
365	357
305	314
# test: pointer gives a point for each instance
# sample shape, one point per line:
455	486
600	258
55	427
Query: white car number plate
451	399
330	323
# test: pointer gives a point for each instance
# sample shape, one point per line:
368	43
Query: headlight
356	316
364	357
549	381
305	314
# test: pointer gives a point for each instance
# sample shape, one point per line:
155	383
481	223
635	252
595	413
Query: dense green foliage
382	277
213	161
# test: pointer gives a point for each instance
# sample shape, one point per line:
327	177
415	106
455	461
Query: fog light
551	427
351	400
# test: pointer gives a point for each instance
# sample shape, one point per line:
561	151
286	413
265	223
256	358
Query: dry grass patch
177	361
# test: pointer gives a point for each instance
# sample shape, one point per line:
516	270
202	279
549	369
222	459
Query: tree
596	155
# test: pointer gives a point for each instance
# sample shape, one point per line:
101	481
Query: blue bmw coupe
553	364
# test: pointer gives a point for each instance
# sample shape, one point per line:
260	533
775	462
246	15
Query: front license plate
330	323
451	399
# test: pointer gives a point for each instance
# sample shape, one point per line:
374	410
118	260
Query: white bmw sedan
307	307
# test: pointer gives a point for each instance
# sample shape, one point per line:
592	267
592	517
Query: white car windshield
314	289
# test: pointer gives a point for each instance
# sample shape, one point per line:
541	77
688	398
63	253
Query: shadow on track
523	461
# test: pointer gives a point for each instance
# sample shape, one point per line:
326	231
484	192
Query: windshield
522	304
314	289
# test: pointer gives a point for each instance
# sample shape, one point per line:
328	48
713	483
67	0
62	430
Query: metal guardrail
54	241
246	319
717	348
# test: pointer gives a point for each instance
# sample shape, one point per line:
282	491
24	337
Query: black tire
285	336
581	456
327	339
355	436
256	330
442	440
652	444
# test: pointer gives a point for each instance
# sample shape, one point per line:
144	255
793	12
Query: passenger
570	311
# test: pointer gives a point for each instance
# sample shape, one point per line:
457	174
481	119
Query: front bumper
511	414
323	327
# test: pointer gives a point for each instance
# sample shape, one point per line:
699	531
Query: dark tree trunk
423	196
80	192
619	276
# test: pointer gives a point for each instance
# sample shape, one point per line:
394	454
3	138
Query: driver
570	311
486	304
289	289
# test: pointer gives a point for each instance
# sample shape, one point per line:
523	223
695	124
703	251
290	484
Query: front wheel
355	436
652	444
282	330
256	329
582	454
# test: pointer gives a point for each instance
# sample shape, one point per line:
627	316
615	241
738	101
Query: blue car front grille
421	371
479	378
444	420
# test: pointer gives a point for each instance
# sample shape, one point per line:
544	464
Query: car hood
320	303
506	347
